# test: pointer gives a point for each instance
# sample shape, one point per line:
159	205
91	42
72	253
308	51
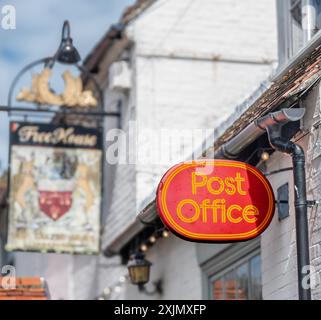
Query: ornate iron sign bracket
74	100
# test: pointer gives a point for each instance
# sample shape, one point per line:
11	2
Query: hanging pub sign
215	201
55	188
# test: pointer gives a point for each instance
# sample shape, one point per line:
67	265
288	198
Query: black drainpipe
272	124
300	203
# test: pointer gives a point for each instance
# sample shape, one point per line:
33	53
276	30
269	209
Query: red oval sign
215	201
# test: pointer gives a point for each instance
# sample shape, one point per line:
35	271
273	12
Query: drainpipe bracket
312	203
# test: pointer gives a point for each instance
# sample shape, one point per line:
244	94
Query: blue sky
37	35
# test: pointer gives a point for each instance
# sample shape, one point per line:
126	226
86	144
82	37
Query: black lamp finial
67	53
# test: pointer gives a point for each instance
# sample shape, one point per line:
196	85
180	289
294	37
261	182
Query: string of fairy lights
158	234
144	246
116	288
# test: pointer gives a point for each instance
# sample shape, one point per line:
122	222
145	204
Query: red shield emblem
55	199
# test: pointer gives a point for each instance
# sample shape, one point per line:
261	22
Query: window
241	282
305	22
231	271
298	22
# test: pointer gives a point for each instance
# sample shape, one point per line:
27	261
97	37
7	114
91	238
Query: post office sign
215	201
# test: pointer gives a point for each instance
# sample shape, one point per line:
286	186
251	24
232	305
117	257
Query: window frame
286	59
225	260
285	32
245	260
291	49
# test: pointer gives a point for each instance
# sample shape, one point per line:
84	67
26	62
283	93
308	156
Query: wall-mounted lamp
139	271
